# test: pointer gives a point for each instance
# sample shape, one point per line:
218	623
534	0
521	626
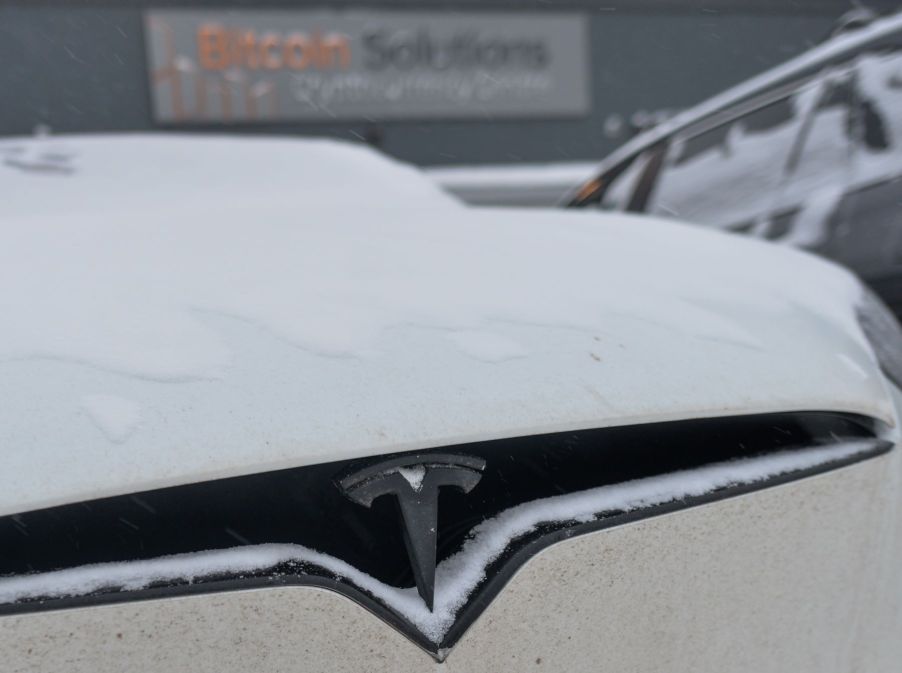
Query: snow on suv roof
178	309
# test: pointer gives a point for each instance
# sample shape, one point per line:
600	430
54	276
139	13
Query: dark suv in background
809	154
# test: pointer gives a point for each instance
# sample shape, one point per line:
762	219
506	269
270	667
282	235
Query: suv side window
617	185
862	230
878	80
628	185
823	149
727	172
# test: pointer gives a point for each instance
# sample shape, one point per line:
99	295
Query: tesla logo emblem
415	482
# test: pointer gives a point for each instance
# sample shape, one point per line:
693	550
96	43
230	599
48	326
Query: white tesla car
280	405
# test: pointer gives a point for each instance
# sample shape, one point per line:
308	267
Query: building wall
81	67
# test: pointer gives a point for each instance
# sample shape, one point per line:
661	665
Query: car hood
152	340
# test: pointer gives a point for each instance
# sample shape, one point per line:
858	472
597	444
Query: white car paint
174	323
180	308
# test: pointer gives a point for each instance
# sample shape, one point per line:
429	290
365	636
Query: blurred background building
470	81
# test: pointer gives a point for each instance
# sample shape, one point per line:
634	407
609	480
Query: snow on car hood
178	309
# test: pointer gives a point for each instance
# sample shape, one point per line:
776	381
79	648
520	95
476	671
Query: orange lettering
297	51
269	52
212	47
335	49
246	45
221	49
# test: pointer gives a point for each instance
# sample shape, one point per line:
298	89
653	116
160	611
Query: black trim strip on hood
304	506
